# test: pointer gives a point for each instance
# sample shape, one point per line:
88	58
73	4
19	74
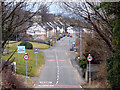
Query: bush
26	44
113	70
83	65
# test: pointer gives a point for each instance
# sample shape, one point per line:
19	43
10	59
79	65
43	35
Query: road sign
89	58
73	42
35	37
20	49
35	50
26	57
50	40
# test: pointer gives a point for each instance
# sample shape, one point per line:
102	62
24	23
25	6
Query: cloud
56	12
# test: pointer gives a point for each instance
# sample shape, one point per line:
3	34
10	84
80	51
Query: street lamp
80	44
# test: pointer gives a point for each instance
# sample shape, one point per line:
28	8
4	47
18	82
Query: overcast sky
54	8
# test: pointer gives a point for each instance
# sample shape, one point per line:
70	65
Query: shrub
26	44
83	65
113	70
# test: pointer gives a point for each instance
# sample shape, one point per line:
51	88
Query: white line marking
57	82
46	85
57	68
80	86
47	82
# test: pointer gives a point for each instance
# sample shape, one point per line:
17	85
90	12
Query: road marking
62	60
47	82
80	86
57	76
69	86
57	82
57	69
51	60
58	60
66	53
72	86
43	85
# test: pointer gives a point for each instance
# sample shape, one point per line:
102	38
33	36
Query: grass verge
31	63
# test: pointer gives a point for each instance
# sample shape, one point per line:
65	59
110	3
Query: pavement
59	70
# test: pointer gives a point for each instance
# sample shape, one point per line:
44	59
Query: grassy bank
31	63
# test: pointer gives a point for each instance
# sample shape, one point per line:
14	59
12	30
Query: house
59	27
37	18
49	32
37	30
70	30
86	30
50	24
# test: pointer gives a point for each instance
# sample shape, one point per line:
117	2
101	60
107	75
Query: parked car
71	36
75	49
58	39
68	35
63	35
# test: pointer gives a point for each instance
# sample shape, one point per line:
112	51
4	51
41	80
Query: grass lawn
53	43
31	63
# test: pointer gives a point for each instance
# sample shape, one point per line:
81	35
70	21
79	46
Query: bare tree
92	17
15	17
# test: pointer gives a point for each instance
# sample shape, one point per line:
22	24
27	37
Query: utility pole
75	36
16	39
50	32
80	44
92	34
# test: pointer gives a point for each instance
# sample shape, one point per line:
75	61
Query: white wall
85	30
36	29
70	30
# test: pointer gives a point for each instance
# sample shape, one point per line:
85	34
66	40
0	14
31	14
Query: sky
54	8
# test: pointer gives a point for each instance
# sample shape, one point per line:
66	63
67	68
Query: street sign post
36	52
20	49
35	37
73	42
89	58
26	57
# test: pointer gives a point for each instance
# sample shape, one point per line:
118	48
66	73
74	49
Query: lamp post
80	44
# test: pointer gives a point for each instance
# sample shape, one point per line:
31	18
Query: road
58	71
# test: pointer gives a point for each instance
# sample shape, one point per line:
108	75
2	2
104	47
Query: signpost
20	49
80	44
26	57
50	42
36	52
35	37
89	58
73	42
